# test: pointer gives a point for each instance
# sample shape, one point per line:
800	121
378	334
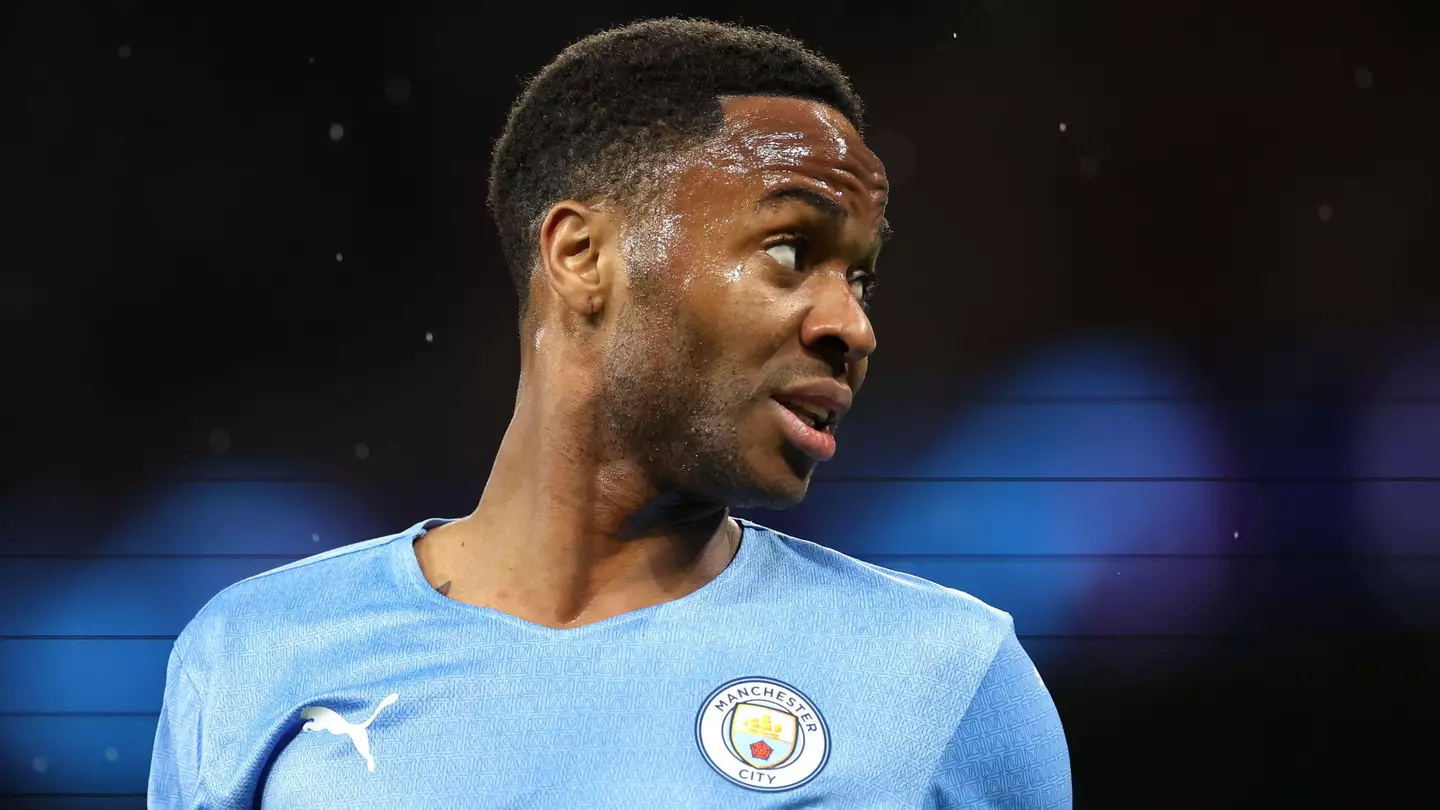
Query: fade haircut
598	121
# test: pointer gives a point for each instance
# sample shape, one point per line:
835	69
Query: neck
569	533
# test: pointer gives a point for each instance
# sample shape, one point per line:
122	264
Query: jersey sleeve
175	759
1009	750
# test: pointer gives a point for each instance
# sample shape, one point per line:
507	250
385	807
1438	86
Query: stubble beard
676	421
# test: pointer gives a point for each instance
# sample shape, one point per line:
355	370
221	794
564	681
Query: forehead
767	141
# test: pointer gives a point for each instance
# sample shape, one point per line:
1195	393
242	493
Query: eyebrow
825	204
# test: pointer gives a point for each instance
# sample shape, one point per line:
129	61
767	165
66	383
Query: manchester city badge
762	734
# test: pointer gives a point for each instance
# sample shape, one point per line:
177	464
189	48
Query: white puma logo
323	719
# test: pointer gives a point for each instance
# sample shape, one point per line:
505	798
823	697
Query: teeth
818	415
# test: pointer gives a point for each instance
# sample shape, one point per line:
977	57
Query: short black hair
592	122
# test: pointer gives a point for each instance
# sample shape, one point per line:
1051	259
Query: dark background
1162	382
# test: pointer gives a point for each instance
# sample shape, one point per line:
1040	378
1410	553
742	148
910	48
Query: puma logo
323	719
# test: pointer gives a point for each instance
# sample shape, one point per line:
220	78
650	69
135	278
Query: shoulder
1009	747
873	595
318	588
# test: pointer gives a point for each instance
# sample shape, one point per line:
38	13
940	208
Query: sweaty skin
649	361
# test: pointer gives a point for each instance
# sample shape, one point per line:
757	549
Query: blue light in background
1398	436
1052	529
157	560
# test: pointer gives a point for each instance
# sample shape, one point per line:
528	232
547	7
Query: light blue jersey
798	677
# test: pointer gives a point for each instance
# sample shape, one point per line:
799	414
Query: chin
779	484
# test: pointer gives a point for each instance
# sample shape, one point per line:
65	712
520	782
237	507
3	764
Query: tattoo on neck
444	589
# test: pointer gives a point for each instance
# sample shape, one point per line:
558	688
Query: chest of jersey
608	726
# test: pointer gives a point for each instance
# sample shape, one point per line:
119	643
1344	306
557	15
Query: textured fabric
799	677
1009	752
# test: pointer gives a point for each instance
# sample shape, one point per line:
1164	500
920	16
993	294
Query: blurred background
1159	369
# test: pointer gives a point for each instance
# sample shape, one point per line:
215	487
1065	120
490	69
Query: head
690	207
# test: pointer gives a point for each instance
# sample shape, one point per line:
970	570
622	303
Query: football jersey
797	677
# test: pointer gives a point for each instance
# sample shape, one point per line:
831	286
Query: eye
862	283
790	253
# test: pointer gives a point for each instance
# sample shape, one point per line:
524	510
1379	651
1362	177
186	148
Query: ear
575	243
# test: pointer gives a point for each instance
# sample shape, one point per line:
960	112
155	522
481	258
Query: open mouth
814	416
809	413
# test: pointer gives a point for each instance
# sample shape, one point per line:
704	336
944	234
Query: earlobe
572	239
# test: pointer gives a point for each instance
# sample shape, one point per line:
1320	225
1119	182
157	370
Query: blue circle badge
762	734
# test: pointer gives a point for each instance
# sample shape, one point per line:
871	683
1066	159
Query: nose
836	323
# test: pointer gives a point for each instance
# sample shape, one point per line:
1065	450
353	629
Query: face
741	334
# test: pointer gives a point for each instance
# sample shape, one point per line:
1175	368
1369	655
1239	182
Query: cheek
736	326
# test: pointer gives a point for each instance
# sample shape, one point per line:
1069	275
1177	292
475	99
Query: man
692	221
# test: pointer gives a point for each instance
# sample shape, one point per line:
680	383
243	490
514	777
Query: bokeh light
1396	450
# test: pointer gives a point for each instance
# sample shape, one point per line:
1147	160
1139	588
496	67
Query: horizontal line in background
381	476
1340	556
84	637
959	555
176	556
1238	555
1100	399
72	795
1215	636
79	714
1128	479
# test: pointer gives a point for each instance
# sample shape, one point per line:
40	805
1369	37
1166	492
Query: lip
817	444
833	396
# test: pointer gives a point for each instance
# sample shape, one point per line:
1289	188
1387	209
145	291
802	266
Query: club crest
762	734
